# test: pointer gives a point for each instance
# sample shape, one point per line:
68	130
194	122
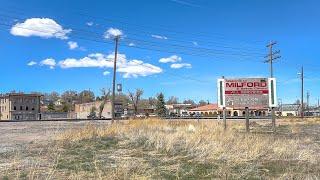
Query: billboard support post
272	101
247	120
273	120
224	118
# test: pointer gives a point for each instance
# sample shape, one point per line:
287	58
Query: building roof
214	107
290	107
209	107
21	94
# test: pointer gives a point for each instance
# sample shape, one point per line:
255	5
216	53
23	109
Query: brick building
20	106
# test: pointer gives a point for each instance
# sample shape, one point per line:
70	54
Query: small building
141	111
20	106
58	102
289	110
179	109
206	110
84	110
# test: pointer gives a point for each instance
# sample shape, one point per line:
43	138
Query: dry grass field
161	149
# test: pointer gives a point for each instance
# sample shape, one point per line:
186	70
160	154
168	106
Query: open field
160	149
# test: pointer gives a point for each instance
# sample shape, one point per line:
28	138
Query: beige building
214	110
83	111
19	106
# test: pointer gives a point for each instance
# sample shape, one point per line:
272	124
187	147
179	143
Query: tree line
68	98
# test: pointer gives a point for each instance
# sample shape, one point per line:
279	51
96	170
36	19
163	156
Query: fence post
273	117
247	120
224	118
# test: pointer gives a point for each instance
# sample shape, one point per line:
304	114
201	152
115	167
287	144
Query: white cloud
129	68
171	59
89	23
92	60
132	44
135	68
195	43
105	73
182	65
159	37
32	63
41	27
73	45
112	33
48	62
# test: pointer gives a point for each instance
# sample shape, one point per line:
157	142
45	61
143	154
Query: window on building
20	108
27	108
14	108
32	108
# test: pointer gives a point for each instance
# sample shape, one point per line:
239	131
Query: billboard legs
247	120
273	117
224	118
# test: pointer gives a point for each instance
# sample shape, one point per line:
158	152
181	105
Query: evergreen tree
160	107
65	107
51	107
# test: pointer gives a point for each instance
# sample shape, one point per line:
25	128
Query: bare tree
203	103
173	100
135	98
105	97
189	101
86	96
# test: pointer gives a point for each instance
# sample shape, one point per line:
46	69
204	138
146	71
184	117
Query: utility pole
114	77
302	84
308	96
273	55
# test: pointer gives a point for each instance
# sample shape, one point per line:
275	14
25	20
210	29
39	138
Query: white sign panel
272	92
221	95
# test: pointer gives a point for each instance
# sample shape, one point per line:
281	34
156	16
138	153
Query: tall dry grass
161	149
231	152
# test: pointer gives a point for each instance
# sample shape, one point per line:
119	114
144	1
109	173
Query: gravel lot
16	135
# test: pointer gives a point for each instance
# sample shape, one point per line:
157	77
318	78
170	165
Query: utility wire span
146	65
121	20
192	53
190	48
166	29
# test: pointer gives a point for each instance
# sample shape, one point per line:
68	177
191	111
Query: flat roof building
83	111
20	106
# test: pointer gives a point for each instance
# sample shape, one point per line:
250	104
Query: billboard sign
247	92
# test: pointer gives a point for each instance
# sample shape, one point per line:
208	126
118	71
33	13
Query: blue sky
199	41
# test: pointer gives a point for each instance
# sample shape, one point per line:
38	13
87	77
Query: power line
206	35
86	14
192	53
216	51
179	76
